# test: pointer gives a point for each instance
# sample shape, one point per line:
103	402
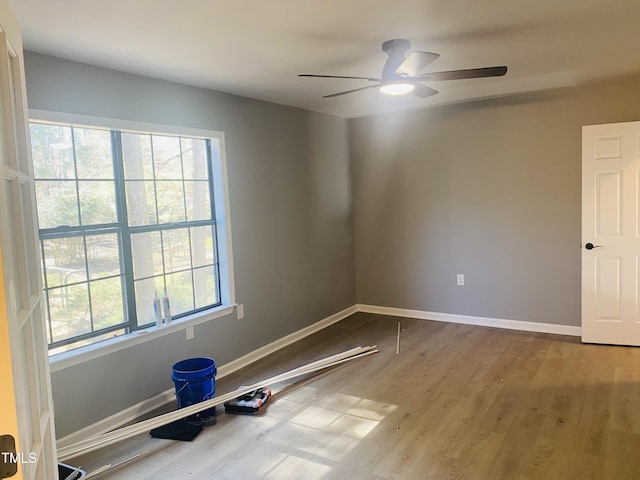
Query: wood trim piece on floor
471	320
136	411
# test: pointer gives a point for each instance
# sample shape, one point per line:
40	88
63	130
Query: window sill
80	355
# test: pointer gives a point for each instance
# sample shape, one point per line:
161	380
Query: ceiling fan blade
415	62
339	76
423	91
351	91
462	74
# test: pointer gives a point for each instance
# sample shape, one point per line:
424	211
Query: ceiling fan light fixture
397	88
401	73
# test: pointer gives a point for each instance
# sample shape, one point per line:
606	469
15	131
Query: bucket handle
182	388
186	384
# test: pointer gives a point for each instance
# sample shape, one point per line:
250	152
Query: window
123	217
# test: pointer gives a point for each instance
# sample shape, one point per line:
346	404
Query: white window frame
79	355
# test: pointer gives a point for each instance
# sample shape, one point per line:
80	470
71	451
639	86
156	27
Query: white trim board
471	320
136	411
118	419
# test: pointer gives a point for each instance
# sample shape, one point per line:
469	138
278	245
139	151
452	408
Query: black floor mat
178	430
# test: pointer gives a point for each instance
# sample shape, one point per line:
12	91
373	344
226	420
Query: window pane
180	291
29	238
52	148
93	153
97	202
202	246
103	255
107	306
204	283
141	203
69	307
146	290
57	203
146	251
64	261
166	157
194	159
177	254
198	200
136	154
170	201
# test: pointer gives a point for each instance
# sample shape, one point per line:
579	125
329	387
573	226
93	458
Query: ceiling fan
401	74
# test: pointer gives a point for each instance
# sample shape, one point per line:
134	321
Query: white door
611	233
25	392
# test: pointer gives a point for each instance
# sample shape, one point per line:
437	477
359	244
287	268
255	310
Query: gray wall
290	200
490	189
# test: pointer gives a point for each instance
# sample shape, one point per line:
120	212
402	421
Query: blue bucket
195	382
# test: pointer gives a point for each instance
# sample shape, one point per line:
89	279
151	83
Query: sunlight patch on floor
295	467
325	429
316	417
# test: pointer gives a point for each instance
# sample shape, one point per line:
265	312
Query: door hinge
8	456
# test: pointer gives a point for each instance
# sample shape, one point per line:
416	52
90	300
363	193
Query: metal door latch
8	456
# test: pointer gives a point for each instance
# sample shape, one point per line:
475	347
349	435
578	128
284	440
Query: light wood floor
458	402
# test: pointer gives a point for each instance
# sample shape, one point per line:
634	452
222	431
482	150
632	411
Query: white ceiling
256	48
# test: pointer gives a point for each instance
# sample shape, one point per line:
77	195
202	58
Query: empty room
319	240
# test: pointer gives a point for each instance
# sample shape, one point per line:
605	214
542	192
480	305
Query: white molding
66	118
80	355
223	220
136	411
471	320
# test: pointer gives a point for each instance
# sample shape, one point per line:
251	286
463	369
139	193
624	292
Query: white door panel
610	223
24	369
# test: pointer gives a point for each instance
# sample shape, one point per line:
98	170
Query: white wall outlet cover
240	311
460	279
190	332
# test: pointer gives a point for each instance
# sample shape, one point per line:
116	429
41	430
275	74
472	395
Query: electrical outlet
240	311
460	279
190	333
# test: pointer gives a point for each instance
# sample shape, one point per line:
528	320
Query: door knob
591	246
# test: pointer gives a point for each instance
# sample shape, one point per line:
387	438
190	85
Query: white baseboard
136	411
470	320
118	419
